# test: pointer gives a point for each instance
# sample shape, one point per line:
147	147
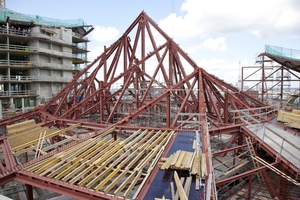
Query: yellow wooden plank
109	154
132	184
108	178
98	177
66	171
180	189
20	152
74	172
125	182
46	166
187	186
203	166
180	158
147	159
157	140
19	126
88	151
93	173
84	170
23	138
132	136
36	166
174	160
167	162
106	147
115	181
58	170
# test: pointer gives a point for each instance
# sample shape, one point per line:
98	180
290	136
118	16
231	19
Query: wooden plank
174	160
36	166
132	184
203	166
66	171
125	182
53	146
157	140
74	172
163	144
30	137
96	175
109	154
98	152
57	171
46	166
22	151
180	158
19	126
147	159
187	186
167	163
191	161
103	182
172	190
115	181
88	174
50	133
180	189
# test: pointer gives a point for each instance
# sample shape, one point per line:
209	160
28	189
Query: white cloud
200	18
229	72
94	53
218	44
105	34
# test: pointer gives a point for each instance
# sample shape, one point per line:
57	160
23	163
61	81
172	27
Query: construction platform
163	181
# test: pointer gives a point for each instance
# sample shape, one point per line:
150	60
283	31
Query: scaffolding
275	76
38	20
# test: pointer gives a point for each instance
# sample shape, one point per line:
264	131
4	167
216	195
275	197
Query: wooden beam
180	189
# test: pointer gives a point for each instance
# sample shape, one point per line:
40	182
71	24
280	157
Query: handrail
37	64
35	78
17	93
28	49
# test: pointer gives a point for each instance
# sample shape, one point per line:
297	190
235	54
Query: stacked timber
181	160
195	162
291	119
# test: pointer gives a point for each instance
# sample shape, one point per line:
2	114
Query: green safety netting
281	52
39	20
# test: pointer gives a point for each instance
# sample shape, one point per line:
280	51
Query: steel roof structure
143	86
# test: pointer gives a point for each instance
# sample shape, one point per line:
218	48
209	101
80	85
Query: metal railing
37	64
15	62
18	93
11	31
10	47
18	78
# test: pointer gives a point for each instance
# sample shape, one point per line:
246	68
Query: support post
29	192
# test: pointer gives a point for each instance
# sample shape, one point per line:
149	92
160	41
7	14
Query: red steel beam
230	149
242	175
61	187
224	130
7	153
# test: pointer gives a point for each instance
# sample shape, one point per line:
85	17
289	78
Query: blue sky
220	36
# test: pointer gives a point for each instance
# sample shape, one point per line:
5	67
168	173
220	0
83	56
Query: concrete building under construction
38	57
140	127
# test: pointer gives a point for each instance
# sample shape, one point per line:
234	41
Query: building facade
38	57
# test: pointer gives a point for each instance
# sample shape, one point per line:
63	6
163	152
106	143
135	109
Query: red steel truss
144	79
